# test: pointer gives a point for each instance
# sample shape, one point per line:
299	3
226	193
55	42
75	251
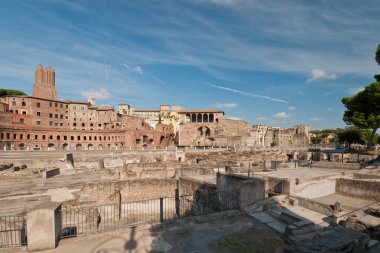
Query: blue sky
269	62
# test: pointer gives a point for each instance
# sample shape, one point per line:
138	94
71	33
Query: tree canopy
6	92
363	109
350	136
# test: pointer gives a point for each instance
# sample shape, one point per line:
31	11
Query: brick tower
44	83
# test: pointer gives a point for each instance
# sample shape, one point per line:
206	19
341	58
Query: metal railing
12	231
92	219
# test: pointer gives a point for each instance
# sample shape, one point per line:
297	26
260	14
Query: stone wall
358	188
130	190
191	186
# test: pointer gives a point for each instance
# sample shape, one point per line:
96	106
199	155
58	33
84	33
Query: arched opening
211	118
8	146
65	146
90	147
193	118
109	146
208	131
51	146
162	139
100	147
199	118
188	118
200	131
21	146
58	137
205	118
78	147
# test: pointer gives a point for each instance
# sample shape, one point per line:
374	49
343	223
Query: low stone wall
130	191
366	189
314	206
337	165
367	174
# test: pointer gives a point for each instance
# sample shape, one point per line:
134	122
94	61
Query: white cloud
245	93
315	119
291	108
354	91
282	115
101	94
235	118
226	105
138	70
261	118
126	66
317	74
330	108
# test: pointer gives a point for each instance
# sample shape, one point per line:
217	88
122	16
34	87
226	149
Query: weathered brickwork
42	121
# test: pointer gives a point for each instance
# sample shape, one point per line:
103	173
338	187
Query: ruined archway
51	146
65	146
90	147
21	146
78	147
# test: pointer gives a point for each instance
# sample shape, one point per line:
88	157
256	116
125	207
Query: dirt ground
227	232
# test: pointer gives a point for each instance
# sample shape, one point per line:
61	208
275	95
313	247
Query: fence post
177	203
161	209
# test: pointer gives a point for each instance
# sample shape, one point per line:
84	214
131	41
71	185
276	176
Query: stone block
43	226
50	173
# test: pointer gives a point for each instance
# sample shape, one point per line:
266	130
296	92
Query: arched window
205	118
193	118
199	117
211	118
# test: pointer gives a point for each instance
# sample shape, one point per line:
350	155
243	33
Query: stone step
270	221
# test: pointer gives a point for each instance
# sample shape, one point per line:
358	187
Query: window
56	116
61	116
28	136
50	115
72	138
38	122
61	105
67	106
43	137
2	135
38	113
36	136
38	104
83	124
14	103
21	120
50	123
51	137
74	124
75	119
21	136
78	138
56	123
24	112
137	141
61	124
23	103
50	104
56	104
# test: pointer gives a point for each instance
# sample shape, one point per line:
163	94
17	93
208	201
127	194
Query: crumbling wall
191	186
130	190
358	188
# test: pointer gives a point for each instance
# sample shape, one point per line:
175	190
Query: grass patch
183	233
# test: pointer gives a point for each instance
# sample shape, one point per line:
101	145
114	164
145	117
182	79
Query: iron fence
12	231
91	219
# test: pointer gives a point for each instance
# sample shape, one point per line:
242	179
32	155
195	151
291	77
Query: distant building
42	121
267	136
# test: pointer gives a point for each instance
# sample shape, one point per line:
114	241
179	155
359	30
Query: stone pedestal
43	226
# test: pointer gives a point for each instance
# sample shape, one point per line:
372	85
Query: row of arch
200	118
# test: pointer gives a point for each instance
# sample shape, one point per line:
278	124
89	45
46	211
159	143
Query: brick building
42	121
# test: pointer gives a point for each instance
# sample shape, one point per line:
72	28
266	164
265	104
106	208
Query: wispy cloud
291	108
226	105
317	74
101	94
234	118
138	70
282	115
315	119
262	119
245	93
